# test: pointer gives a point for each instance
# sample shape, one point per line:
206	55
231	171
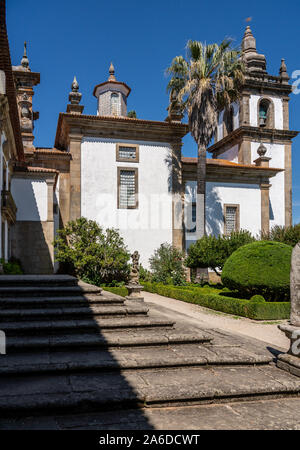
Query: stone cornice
253	133
267	82
230	173
117	128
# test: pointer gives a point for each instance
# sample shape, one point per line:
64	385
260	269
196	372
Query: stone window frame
271	112
137	153
237	225
135	170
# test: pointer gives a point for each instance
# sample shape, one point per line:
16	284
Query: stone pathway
266	331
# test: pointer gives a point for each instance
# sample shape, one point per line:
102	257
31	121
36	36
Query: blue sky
67	38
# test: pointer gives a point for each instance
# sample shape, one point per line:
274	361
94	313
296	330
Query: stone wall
31	244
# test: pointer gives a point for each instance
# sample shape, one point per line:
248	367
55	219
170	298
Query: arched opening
264	113
115	104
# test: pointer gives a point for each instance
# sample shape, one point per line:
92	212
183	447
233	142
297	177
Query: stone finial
111	73
262	150
74	99
75	96
283	72
248	42
25	60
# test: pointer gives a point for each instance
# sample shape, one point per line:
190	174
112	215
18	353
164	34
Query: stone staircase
73	347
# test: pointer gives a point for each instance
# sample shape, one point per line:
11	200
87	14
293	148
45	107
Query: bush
257	299
91	253
145	275
11	267
262	267
212	251
167	265
235	306
289	235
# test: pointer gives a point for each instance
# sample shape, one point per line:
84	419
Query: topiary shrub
262	267
257	299
213	251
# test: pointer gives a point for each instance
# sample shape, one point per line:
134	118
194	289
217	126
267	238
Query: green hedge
122	291
229	305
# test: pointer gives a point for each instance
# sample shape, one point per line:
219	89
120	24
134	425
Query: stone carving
135	271
290	361
133	287
295	287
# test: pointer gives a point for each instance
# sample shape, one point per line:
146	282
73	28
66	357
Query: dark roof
5	65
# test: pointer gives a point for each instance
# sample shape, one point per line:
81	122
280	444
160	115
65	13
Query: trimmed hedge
262	268
229	305
118	290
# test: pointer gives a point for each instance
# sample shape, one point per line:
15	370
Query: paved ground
275	414
266	331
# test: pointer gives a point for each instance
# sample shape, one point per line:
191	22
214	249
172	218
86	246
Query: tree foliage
207	81
286	235
213	251
167	265
89	252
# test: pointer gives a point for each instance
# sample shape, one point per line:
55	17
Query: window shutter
127	189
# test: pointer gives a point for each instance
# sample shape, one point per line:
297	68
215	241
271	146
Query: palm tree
203	84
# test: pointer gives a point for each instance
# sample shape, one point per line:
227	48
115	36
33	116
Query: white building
130	174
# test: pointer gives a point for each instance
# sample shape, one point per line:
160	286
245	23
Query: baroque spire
249	41
25	60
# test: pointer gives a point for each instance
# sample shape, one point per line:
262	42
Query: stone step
267	414
189	355
64	313
106	298
95	325
48	291
88	391
37	280
107	339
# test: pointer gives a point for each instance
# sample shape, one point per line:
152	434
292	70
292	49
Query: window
127	188
127	152
231	218
192	210
115	104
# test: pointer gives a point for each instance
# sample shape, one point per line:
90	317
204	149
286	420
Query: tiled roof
36	169
51	151
5	65
224	163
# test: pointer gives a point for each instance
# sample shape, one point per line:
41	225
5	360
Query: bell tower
261	118
25	80
112	96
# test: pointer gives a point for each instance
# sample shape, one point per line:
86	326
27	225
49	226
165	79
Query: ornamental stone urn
134	288
290	361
